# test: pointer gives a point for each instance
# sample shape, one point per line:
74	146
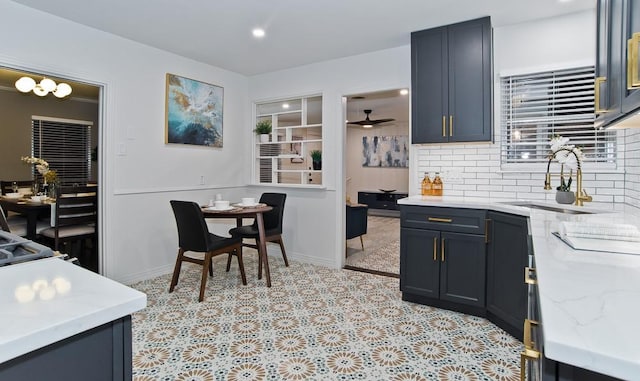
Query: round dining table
239	213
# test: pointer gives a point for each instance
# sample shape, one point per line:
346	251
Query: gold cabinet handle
633	80
529	352
436	219
486	230
450	125
527	277
444	126
596	94
435	248
442	251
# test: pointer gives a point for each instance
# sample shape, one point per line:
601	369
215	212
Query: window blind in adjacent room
66	145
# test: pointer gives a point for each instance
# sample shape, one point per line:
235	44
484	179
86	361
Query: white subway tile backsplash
474	169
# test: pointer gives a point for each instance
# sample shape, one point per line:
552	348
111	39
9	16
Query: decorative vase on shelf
317	165
565	197
264	138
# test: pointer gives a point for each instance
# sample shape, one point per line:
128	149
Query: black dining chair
74	218
194	235
272	227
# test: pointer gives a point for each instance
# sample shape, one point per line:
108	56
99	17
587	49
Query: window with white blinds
538	106
66	145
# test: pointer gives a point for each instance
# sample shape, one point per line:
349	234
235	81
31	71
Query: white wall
140	237
474	169
318	233
361	178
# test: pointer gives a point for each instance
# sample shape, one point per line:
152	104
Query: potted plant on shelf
316	159
263	128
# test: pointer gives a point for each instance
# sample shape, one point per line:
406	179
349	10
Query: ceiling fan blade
367	121
378	121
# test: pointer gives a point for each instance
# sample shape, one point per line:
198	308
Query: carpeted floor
314	323
381	246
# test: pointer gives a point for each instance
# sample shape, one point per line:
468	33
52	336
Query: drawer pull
596	94
527	277
450	125
444	126
436	219
442	251
529	352
435	248
486	230
633	82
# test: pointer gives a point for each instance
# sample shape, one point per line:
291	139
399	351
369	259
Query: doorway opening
18	110
376	175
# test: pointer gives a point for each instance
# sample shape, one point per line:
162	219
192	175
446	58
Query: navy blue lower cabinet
103	353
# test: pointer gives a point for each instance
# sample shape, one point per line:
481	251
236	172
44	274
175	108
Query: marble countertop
47	300
588	299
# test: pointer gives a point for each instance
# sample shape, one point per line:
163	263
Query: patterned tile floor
314	323
381	246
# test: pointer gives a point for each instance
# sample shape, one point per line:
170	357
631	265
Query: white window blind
538	106
66	145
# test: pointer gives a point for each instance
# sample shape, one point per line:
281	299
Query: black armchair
356	221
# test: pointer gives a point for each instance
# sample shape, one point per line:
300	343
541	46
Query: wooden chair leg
229	261
238	253
284	253
362	243
259	260
203	282
211	268
176	270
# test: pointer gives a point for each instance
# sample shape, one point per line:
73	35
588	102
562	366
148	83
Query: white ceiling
298	32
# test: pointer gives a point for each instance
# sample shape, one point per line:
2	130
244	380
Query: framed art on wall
385	151
193	112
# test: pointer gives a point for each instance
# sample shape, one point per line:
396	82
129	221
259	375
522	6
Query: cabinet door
631	25
469	55
419	262
462	268
429	87
507	255
609	65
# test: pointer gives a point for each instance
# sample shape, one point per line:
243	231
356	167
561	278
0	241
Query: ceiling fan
368	123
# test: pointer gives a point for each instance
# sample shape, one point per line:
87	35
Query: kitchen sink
551	208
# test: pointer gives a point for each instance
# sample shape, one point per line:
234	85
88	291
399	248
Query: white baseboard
147	274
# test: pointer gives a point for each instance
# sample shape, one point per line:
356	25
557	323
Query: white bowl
13	195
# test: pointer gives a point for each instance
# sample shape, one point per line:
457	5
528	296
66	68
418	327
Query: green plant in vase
263	128
564	194
316	159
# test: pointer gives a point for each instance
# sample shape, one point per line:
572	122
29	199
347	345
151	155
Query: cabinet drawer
443	219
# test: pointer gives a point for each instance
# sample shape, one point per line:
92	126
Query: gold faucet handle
585	197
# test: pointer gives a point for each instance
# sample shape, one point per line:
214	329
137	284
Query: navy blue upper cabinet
451	83
617	85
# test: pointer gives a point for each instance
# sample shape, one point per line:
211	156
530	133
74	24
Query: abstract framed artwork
193	112
385	151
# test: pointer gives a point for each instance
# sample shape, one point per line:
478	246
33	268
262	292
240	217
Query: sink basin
551	208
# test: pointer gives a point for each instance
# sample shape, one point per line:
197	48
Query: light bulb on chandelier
46	86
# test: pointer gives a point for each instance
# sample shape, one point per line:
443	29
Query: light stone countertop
48	300
589	300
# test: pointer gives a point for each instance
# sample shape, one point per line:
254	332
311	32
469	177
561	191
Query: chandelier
46	86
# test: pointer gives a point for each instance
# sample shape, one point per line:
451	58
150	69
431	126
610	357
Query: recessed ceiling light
564	1
285	105
404	92
258	33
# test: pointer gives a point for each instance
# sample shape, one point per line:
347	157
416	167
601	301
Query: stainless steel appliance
15	249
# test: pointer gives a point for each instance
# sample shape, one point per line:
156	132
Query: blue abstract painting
385	151
193	112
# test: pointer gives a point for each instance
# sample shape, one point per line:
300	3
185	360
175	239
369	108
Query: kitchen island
587	299
60	321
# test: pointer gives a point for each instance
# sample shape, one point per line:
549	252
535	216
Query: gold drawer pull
442	251
436	219
529	353
633	82
596	94
435	248
450	125
527	278
444	126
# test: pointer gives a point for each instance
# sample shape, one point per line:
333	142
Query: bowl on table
13	195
